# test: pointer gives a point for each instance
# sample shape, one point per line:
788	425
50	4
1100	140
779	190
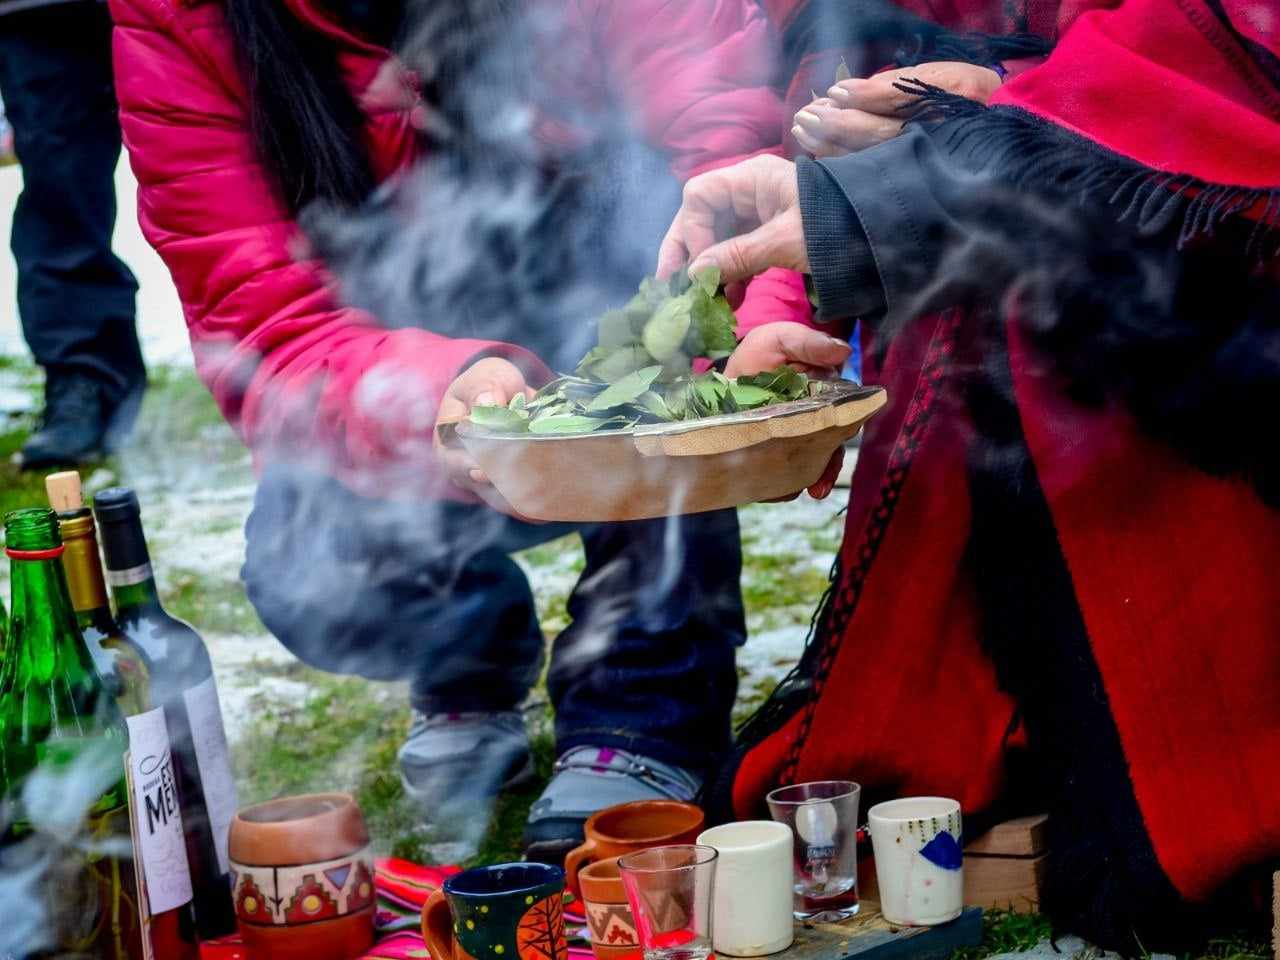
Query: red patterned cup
302	871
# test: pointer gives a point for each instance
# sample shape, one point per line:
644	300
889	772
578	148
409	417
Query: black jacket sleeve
889	230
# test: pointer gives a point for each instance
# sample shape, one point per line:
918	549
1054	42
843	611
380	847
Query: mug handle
579	857
437	926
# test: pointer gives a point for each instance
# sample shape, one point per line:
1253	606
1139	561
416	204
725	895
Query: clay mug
509	911
630	827
302	874
610	924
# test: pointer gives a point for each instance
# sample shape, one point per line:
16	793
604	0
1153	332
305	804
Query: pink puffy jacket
290	366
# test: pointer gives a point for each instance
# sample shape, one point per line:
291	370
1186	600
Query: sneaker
588	779
78	416
455	764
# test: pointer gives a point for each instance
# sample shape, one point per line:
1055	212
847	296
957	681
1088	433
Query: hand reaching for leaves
742	219
861	112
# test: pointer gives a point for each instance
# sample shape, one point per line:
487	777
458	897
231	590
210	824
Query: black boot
78	414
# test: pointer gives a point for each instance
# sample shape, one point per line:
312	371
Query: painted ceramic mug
610	924
919	859
302	874
510	911
631	827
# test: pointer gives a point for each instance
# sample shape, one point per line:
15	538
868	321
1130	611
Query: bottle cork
64	491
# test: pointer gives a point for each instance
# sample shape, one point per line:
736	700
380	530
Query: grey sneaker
455	764
588	779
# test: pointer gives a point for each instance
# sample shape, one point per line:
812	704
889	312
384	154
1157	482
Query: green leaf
666	329
708	279
787	383
842	72
614	329
518	402
618	363
499	419
748	397
654	404
625	390
565	423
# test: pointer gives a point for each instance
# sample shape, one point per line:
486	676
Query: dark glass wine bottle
64	810
181	681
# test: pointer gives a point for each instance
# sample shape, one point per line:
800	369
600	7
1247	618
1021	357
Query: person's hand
861	112
743	219
810	351
771	345
490	381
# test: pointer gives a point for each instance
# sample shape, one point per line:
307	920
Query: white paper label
129	576
214	760
157	814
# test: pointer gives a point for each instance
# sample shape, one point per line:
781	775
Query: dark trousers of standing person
430	593
75	297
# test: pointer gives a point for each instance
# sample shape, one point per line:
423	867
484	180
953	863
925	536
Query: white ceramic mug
919	862
752	910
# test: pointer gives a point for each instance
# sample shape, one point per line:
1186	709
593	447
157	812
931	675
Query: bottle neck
44	638
80	561
133	585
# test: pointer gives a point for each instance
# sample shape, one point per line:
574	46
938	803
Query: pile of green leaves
641	369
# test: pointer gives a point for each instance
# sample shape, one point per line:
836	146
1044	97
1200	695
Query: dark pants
430	593
75	297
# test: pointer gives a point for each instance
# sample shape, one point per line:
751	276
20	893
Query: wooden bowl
665	469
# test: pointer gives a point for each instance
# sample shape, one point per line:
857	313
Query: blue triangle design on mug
943	851
338	876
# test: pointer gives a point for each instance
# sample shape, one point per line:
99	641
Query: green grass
218	606
345	735
1006	932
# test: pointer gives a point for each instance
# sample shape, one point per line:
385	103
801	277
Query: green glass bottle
181	681
62	781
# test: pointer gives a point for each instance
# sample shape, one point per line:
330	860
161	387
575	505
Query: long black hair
307	126
305	123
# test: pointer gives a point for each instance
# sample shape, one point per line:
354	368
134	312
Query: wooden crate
1004	868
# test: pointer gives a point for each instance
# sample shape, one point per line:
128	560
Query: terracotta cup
302	874
628	827
510	911
609	920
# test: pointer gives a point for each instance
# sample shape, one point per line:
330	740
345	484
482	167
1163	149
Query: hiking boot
78	418
588	779
455	764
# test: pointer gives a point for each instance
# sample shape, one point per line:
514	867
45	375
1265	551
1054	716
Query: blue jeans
75	297
430	593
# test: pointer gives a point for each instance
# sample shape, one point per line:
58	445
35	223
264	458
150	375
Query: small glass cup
671	890
823	817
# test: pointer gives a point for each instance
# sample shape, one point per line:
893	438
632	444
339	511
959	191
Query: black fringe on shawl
1029	153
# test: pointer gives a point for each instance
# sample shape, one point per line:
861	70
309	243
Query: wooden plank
1022	837
1007	883
868	936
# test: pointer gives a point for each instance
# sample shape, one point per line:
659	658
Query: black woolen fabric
840	261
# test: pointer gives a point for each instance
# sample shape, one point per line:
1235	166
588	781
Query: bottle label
157	812
130	576
214	760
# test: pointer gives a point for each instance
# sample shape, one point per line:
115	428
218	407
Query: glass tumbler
671	890
823	817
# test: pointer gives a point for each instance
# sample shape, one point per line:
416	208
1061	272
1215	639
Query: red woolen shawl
1175	574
